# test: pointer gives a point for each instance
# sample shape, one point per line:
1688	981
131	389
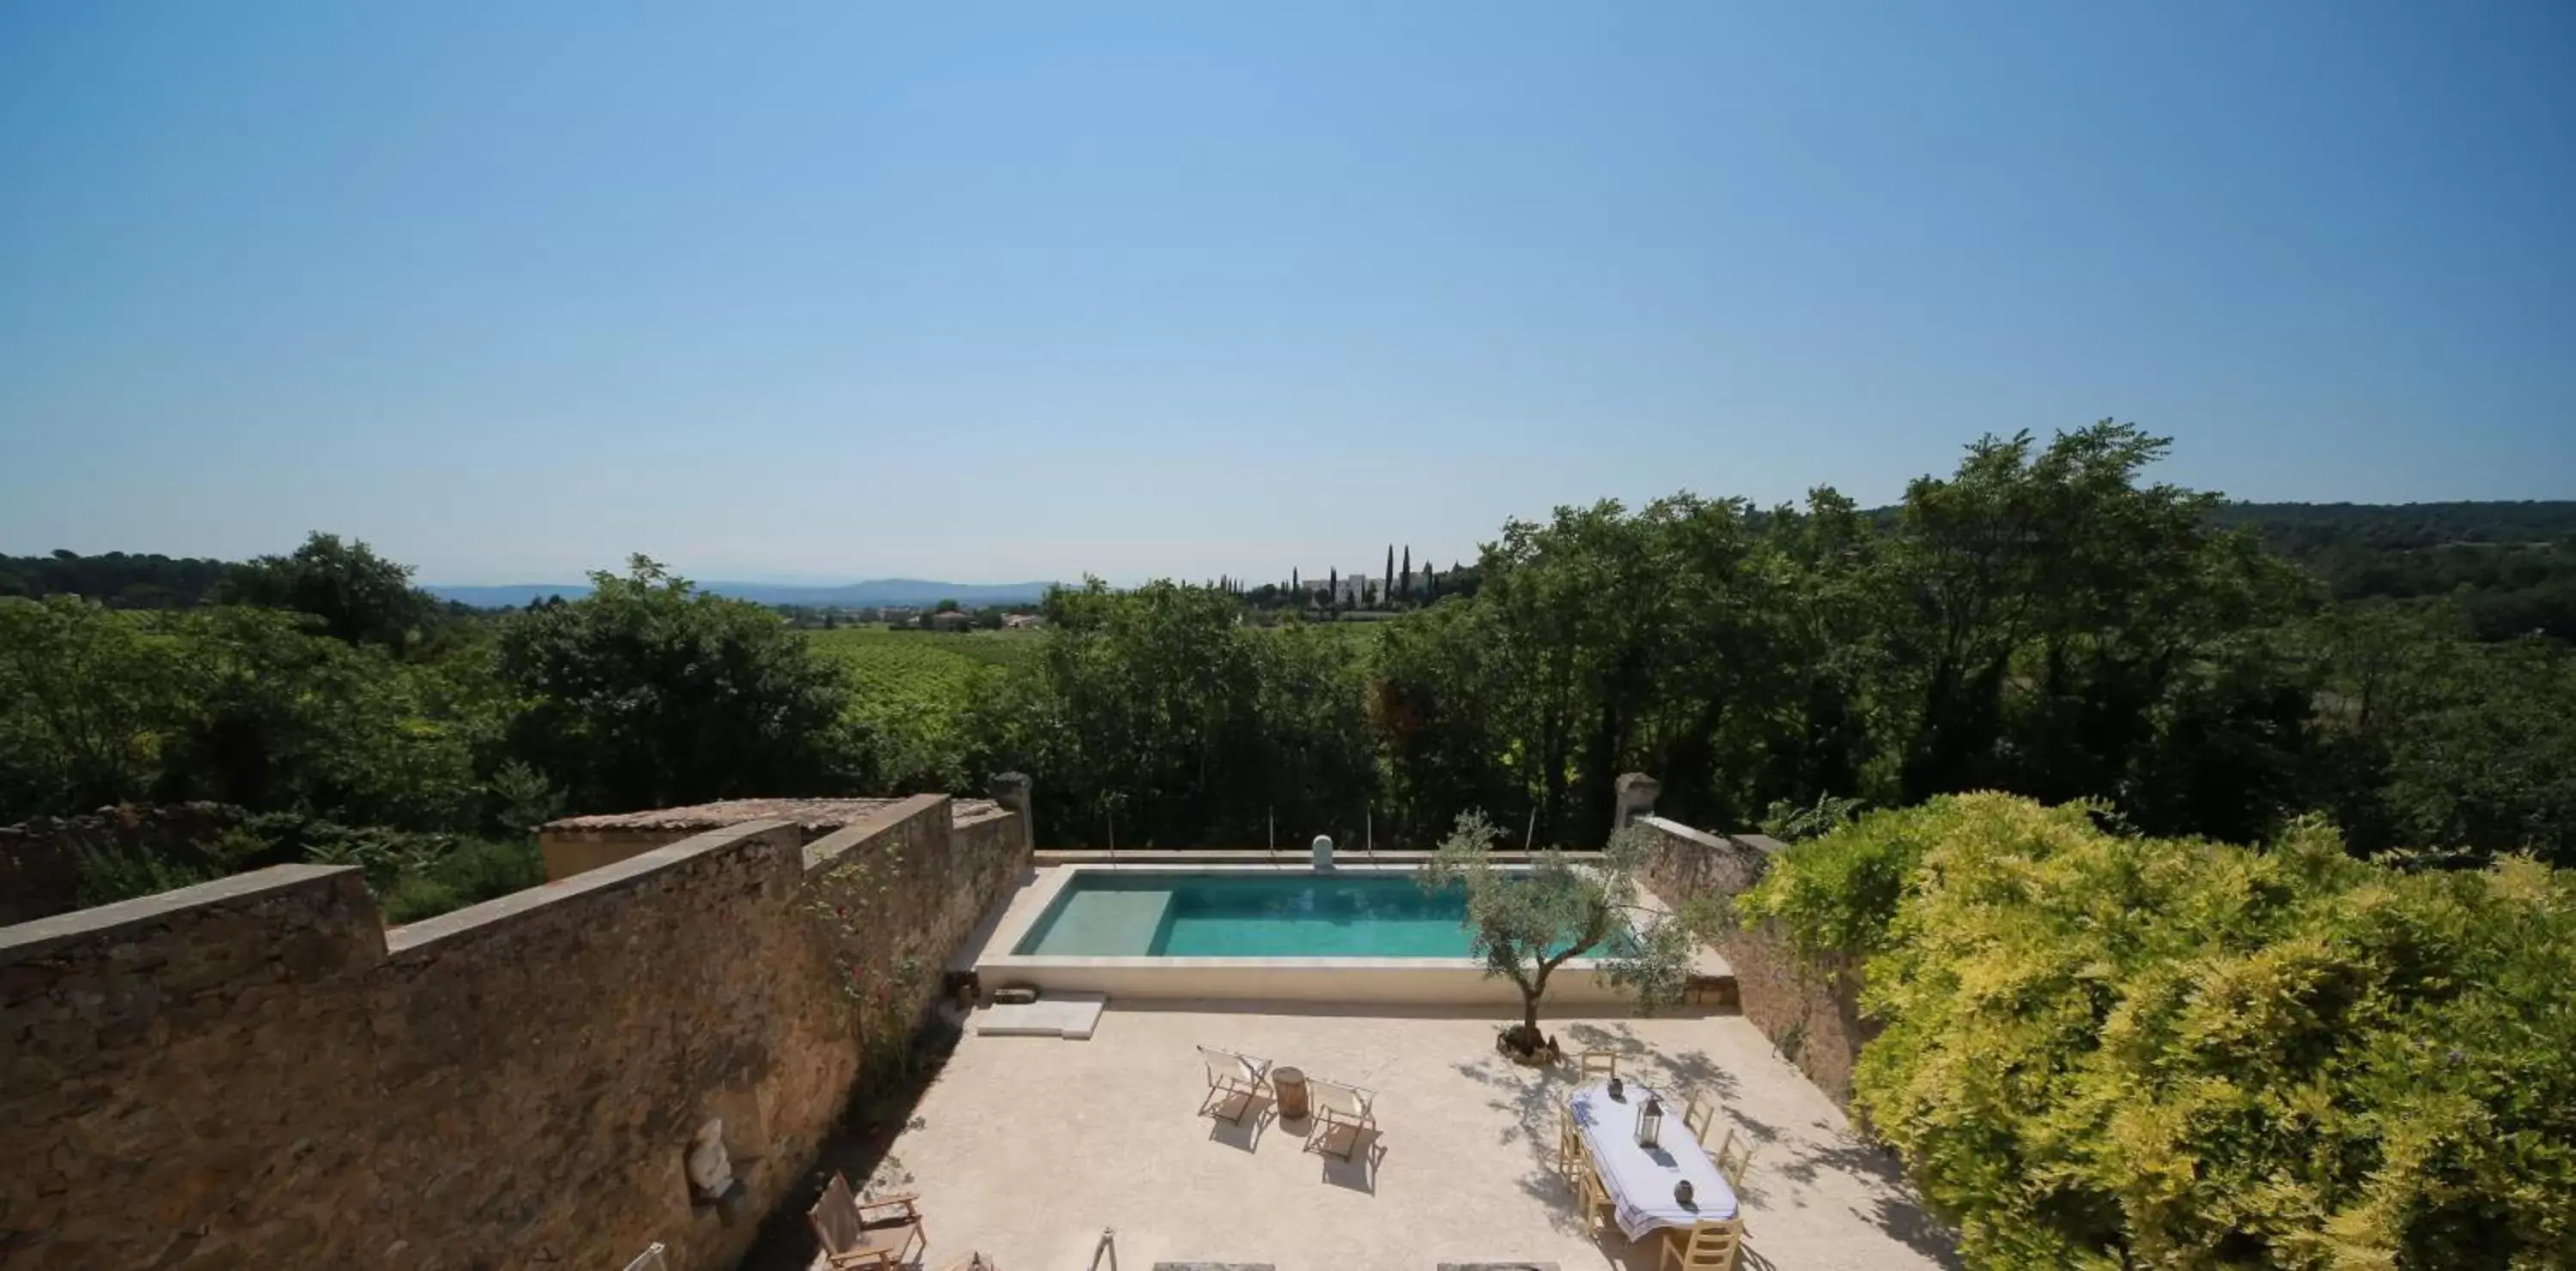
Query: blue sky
1003	292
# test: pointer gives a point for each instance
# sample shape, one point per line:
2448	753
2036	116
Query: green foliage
648	693
236	705
2509	568
413	876
1157	710
111	874
117	580
1527	922
281	719
2109	1050
525	799
86	698
913	692
2044	621
1794	823
1839	892
359	597
455	874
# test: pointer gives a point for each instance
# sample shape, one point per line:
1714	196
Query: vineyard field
912	685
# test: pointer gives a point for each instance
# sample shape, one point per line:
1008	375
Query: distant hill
2509	567
873	592
2301	529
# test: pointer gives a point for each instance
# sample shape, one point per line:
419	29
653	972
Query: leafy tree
2047	599
87	698
238	705
282	719
1527	923
117	580
526	799
359	596
1203	728
649	693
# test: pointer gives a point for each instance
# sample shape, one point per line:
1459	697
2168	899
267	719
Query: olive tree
1525	923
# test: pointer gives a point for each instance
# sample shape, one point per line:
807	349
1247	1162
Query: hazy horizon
512	293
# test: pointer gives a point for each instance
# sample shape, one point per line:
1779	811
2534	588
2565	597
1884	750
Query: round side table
1289	1084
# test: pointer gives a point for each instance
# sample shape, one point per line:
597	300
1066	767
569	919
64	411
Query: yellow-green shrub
2114	1051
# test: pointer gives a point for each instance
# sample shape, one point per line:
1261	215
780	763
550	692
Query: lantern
1650	1122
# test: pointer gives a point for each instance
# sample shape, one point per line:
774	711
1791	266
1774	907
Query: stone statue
710	1170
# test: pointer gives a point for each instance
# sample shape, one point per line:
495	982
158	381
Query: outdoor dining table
1640	1180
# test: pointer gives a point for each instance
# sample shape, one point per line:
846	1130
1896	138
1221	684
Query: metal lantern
1650	1122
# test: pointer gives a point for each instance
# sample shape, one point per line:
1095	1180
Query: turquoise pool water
1250	916
1179	915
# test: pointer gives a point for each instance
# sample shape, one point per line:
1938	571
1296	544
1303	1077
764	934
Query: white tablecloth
1640	1181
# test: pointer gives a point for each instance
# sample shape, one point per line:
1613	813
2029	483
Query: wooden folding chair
1231	1076
1602	1064
1709	1245
1698	1118
1339	1107
883	1234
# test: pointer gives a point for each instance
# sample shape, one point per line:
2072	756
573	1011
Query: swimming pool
1180	915
1201	915
1357	933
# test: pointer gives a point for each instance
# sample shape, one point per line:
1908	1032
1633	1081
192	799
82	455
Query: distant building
953	620
1015	621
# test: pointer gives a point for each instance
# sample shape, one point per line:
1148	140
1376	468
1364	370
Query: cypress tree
1406	574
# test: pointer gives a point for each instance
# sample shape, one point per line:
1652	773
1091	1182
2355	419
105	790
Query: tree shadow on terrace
859	1149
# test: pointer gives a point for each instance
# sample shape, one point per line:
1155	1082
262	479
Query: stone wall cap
809	815
30	940
1762	843
492	914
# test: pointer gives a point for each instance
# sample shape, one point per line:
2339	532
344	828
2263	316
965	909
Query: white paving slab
1072	1016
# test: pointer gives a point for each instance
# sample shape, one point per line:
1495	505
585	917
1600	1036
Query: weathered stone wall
40	858
1808	1007
570	852
898	900
253	1073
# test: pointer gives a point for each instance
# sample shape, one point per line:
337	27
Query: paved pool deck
1027	1148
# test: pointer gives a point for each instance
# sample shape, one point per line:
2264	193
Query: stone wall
1809	1007
253	1073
